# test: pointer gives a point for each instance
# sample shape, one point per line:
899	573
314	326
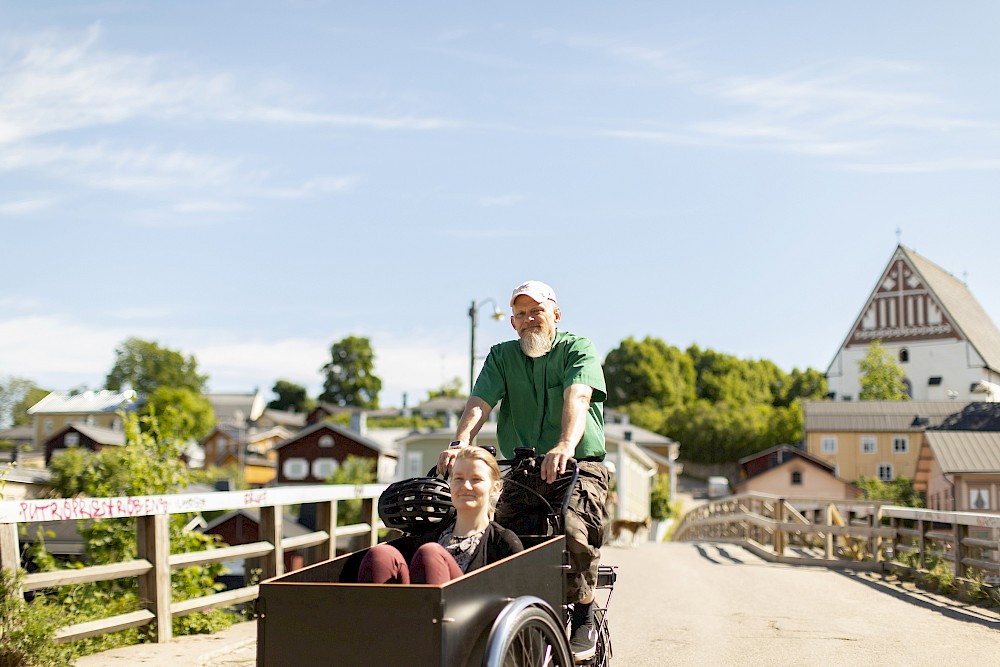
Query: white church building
929	321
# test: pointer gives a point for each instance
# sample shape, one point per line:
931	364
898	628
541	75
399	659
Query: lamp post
497	314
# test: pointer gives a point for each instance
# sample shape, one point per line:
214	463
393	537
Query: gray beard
535	344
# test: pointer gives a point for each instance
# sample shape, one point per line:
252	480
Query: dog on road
621	526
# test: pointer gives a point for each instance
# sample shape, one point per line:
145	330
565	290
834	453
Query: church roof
965	311
917	300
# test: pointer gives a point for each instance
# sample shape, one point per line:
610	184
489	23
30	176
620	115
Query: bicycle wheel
535	640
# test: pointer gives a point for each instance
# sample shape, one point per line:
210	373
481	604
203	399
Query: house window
220	444
326	441
47	427
296	468
934	381
829	445
415	464
979	499
885	472
868	444
796	478
904	355
324	467
72	439
900	444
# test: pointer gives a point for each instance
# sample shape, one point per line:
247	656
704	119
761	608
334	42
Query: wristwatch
455	444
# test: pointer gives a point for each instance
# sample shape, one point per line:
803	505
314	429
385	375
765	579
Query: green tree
148	464
17	394
899	491
182	413
354	470
290	396
451	389
881	376
648	370
350	380
145	366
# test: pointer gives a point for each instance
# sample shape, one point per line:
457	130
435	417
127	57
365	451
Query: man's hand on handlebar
445	459
554	463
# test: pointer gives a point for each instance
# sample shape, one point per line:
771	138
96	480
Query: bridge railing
857	534
154	563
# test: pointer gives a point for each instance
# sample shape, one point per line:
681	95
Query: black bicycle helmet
416	505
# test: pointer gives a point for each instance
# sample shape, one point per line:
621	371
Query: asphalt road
707	604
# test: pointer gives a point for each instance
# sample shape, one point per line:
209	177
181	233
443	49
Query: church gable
902	309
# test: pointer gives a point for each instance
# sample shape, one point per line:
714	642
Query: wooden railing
856	534
155	562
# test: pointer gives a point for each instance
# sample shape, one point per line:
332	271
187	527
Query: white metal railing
155	562
859	534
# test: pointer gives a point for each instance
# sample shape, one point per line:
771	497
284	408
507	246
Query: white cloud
61	352
26	206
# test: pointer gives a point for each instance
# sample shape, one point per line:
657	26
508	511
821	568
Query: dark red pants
431	564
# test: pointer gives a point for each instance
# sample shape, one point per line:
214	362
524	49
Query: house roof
285	417
18	434
381	447
636	434
99	434
442	404
965	451
965	311
777	456
226	407
877	416
290	526
87	402
974	417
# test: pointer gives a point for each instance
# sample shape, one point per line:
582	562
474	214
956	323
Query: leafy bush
27	629
659	498
354	470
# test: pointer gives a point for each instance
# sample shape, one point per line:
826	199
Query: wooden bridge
757	581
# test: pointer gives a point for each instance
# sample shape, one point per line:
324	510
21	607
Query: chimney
359	422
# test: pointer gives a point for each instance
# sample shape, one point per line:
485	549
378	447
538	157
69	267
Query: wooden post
271	531
370	510
875	541
961	531
922	544
828	535
10	554
326	519
153	544
780	538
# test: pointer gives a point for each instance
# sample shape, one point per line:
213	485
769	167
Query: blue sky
250	181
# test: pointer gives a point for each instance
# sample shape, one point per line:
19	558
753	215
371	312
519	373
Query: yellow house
874	439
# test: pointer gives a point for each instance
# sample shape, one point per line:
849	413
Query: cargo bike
510	613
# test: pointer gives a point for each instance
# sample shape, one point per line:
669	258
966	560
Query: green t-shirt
531	391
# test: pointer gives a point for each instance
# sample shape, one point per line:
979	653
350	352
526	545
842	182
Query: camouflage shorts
523	512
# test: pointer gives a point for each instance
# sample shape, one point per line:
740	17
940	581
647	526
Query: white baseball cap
537	290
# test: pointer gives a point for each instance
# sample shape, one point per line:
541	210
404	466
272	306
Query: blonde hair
472	453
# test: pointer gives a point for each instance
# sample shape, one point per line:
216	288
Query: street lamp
497	314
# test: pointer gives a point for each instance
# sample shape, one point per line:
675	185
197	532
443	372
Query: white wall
957	363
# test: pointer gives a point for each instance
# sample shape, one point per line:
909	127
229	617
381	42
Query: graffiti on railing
255	497
90	508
